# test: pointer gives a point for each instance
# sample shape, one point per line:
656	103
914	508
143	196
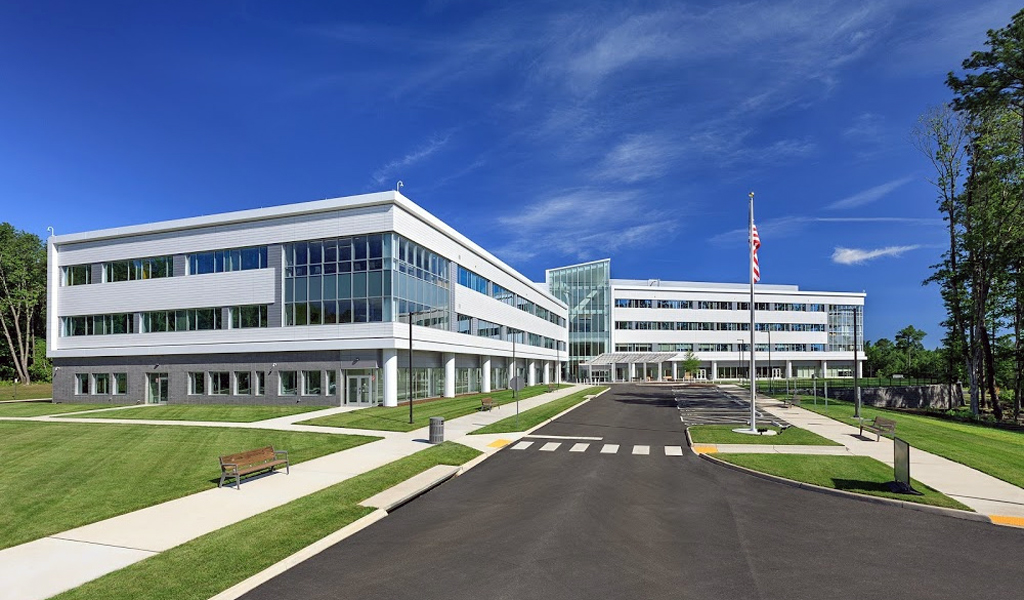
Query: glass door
359	390
776	373
156	388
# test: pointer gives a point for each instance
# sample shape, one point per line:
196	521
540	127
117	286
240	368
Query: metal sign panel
516	383
901	464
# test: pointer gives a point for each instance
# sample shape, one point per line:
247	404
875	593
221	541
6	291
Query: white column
714	370
390	377
485	376
547	372
675	371
824	368
449	375
632	371
789	369
860	368
531	373
661	369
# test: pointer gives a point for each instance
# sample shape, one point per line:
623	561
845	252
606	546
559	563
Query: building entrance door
358	390
702	374
156	388
776	373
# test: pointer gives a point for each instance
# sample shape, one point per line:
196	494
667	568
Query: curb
563	413
306	553
947	512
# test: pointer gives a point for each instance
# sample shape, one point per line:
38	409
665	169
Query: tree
22	295
690	363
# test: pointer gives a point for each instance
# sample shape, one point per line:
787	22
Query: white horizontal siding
473	303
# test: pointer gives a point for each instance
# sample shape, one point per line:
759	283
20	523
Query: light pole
771	374
739	356
411	315
856	377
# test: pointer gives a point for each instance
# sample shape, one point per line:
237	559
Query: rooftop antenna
398	188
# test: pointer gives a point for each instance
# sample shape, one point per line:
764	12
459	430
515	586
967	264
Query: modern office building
627	330
301	303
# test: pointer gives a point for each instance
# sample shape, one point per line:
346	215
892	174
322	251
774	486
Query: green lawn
858	474
998	452
533	417
231	413
9	391
57	476
724	434
214	562
36	409
397	418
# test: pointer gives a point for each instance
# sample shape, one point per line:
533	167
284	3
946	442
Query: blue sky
549	132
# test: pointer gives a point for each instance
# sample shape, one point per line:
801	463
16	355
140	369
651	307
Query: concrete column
789	369
632	371
824	368
449	375
485	375
675	371
547	372
390	356
714	370
531	373
661	369
860	368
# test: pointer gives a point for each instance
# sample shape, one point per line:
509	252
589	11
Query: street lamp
411	315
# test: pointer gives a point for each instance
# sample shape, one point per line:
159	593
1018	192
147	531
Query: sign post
901	469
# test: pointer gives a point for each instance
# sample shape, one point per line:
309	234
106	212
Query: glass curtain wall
586	288
840	327
365	279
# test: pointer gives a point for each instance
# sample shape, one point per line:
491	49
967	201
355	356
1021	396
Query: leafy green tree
22	295
690	363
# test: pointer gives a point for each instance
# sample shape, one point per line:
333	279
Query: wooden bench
551	388
251	461
794	401
486	404
878	426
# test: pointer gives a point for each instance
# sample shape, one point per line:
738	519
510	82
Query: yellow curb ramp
705	448
1008	521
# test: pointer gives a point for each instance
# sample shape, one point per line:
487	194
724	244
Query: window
82	384
140	268
312	383
243	383
289	383
471	280
234	259
261	381
464	324
196	384
488	330
220	383
120	384
99	324
101	384
243	317
332	383
78	275
502	295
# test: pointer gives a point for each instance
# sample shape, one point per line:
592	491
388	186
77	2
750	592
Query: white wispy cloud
637	157
784	227
393	168
870	195
856	256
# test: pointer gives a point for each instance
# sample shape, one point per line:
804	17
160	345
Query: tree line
22	306
975	144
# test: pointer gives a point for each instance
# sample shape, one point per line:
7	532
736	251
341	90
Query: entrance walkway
1001	501
48	566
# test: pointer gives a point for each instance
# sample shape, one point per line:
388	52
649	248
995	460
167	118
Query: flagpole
753	360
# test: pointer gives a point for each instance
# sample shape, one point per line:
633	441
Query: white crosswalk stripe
642	450
550	446
522	445
634	450
610	449
673	450
579	448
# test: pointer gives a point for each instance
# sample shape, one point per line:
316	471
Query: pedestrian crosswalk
635	450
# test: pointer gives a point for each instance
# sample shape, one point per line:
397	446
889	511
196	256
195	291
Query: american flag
757	244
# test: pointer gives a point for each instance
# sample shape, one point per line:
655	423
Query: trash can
436	430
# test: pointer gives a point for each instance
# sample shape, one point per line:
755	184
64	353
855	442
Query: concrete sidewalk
1001	501
48	566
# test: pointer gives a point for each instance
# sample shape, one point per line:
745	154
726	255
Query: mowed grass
230	413
397	418
57	476
997	452
535	416
859	474
724	434
216	561
9	391
37	409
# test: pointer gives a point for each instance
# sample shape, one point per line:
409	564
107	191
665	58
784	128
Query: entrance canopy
613	358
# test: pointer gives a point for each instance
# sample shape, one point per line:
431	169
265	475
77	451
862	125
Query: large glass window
471	280
220	383
233	259
289	383
243	383
312	383
139	268
243	317
586	288
120	383
101	383
99	324
261	383
78	275
82	384
197	384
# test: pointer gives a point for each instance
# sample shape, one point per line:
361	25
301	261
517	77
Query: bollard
436	430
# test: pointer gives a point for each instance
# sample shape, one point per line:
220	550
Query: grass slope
58	476
214	562
8	391
231	413
535	416
397	418
724	434
36	409
997	452
858	474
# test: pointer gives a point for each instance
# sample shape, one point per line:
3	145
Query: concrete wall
942	397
